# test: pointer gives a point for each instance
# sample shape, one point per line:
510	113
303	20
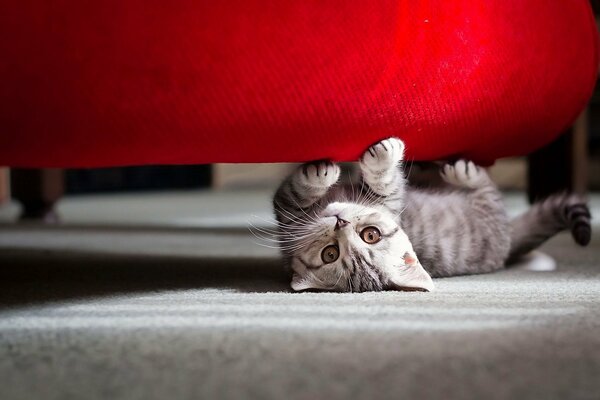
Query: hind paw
465	174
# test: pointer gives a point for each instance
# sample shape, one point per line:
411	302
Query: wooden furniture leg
4	192
38	190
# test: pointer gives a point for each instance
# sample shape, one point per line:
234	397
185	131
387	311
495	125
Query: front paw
319	174
383	156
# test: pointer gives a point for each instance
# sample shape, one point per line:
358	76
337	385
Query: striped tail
547	218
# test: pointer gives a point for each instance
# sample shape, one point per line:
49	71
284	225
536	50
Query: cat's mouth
340	223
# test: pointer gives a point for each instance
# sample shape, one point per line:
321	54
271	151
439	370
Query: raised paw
318	174
382	156
465	174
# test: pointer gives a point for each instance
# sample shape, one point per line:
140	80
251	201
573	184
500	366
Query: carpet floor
197	310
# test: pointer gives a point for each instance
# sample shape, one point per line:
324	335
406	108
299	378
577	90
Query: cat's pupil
370	235
330	254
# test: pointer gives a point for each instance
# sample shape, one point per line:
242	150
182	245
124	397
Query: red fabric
113	82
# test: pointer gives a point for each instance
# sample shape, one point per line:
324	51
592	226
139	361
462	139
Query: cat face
350	247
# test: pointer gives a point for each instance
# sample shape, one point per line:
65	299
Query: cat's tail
545	219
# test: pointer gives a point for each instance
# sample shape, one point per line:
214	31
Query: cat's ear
411	276
300	282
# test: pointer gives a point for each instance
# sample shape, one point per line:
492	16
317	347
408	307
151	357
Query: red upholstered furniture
113	82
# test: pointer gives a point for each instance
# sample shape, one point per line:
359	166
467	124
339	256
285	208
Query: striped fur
545	219
462	229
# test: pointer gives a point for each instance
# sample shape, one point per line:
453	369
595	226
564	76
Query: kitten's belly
451	237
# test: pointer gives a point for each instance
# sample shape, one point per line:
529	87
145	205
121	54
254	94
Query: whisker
302	209
278	237
412	161
338	280
288	214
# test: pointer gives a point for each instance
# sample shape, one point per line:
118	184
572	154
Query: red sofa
112	82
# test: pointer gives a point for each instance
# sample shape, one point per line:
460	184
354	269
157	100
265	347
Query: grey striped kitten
381	234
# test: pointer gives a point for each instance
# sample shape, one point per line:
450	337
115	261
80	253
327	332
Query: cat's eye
370	235
330	254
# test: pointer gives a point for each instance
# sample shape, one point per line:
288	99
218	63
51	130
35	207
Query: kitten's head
350	247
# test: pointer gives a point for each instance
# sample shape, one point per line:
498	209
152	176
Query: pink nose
340	223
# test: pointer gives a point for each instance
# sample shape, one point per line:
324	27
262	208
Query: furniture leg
38	190
561	165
